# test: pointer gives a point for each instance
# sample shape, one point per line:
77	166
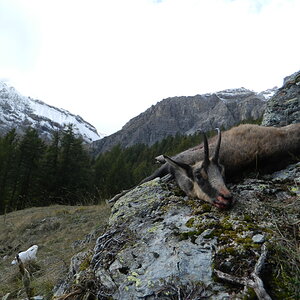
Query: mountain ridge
20	112
186	115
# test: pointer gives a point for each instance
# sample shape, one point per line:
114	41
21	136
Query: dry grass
283	270
59	231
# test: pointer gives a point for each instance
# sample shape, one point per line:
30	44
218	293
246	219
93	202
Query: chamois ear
179	167
183	174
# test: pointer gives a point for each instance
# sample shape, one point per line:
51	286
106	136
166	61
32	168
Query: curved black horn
206	150
216	155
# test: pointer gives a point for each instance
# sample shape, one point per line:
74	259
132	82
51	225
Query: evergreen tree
50	171
25	191
7	159
75	170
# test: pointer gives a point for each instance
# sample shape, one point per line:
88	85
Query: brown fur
243	148
251	147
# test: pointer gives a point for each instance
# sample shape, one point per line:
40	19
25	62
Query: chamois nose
227	196
223	200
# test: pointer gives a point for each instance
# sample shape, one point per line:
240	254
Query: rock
79	263
258	238
159	244
6	297
284	107
292	171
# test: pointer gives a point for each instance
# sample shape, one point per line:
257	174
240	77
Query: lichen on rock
160	245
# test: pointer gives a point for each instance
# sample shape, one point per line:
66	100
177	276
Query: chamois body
245	147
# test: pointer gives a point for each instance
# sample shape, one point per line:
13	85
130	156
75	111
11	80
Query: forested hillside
120	168
33	173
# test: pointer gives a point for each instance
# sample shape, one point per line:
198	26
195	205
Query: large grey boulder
161	245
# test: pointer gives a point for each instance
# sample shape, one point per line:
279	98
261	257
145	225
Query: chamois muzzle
223	201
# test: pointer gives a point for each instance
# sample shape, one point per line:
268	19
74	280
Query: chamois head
205	179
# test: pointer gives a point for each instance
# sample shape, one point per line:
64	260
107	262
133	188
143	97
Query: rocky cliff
284	107
186	115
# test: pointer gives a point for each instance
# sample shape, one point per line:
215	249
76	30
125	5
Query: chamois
245	147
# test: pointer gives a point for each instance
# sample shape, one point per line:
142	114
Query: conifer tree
7	158
25	190
50	171
75	171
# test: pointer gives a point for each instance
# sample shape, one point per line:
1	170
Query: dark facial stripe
206	187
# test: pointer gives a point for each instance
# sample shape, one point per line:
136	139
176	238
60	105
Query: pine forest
34	173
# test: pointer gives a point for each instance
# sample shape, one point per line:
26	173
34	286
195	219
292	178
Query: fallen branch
254	281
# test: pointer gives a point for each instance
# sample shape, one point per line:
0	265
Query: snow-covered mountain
20	112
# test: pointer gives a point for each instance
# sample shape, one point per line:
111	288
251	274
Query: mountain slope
20	112
59	231
186	115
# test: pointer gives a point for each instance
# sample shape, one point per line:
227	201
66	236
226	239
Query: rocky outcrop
162	245
284	107
186	115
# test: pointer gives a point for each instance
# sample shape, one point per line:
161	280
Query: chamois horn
206	150
216	155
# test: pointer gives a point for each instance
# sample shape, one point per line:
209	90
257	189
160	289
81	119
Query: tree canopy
33	173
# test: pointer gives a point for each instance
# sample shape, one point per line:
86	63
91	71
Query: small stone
258	238
6	297
206	233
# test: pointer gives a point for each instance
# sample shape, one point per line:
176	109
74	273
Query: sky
110	60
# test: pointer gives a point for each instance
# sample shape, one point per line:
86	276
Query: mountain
20	112
284	107
186	115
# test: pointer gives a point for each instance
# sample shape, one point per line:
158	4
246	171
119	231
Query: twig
255	282
178	293
76	292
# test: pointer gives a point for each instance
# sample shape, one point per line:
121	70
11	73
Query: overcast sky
109	60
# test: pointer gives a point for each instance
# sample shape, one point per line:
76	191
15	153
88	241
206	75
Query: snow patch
16	109
267	94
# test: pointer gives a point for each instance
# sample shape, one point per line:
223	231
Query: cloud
110	60
17	37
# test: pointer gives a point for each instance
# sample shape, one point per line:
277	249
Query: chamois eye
222	170
197	174
201	174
